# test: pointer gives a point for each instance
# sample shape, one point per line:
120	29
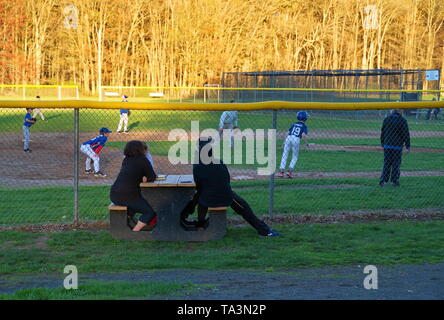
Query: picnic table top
171	180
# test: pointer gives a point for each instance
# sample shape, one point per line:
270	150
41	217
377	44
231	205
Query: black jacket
213	184
395	132
126	188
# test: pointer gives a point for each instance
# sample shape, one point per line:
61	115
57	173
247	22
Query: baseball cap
105	130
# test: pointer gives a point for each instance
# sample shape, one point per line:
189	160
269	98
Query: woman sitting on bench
126	189
214	190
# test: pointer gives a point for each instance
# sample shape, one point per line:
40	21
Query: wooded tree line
191	42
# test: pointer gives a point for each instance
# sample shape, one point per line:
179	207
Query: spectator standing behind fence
228	122
38	111
124	115
126	189
394	136
29	121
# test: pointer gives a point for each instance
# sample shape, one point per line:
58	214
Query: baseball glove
34	119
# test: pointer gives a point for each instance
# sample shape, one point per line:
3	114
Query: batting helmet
105	130
302	115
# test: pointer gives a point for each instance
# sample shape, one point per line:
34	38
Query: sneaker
27	150
273	233
88	171
381	183
118	131
125	131
280	174
289	174
99	174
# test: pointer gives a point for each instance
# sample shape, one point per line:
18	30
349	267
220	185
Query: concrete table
168	197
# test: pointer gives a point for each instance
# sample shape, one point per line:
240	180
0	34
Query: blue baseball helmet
105	130
302	115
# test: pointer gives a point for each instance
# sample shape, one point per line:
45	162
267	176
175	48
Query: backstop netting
331	85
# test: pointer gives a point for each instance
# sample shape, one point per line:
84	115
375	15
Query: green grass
295	196
116	290
318	160
298	246
430	142
91	120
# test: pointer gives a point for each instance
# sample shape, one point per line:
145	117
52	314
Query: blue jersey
27	117
124	110
297	129
97	143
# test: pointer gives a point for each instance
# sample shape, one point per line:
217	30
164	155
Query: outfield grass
298	246
99	290
91	120
296	196
430	142
318	160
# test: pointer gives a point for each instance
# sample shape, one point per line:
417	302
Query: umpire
394	135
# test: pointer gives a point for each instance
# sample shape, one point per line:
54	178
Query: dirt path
408	281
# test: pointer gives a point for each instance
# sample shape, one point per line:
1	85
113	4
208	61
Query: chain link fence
338	168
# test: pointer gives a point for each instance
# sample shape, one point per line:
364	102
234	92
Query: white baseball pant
90	156
26	137
291	143
38	112
123	121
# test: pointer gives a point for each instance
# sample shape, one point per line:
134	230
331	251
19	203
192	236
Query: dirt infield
50	164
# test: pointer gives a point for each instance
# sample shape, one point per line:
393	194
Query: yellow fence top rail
268	105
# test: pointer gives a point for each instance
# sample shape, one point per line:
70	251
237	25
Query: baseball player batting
297	131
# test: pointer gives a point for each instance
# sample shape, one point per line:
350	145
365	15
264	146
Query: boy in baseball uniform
297	131
92	148
228	122
124	114
29	121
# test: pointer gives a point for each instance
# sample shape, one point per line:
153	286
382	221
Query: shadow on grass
53	117
133	125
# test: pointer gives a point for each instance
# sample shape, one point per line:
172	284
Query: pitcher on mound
297	131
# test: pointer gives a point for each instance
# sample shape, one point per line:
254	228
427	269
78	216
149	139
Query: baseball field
333	216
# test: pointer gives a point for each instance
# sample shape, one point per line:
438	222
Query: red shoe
289	174
280	174
153	222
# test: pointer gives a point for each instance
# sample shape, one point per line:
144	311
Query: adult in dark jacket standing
126	189
214	190
394	136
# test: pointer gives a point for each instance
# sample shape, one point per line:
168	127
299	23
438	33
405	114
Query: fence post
271	183
76	165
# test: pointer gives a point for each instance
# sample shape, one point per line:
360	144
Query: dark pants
139	206
239	205
392	164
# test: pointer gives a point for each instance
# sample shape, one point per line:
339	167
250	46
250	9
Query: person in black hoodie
213	189
126	189
394	136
